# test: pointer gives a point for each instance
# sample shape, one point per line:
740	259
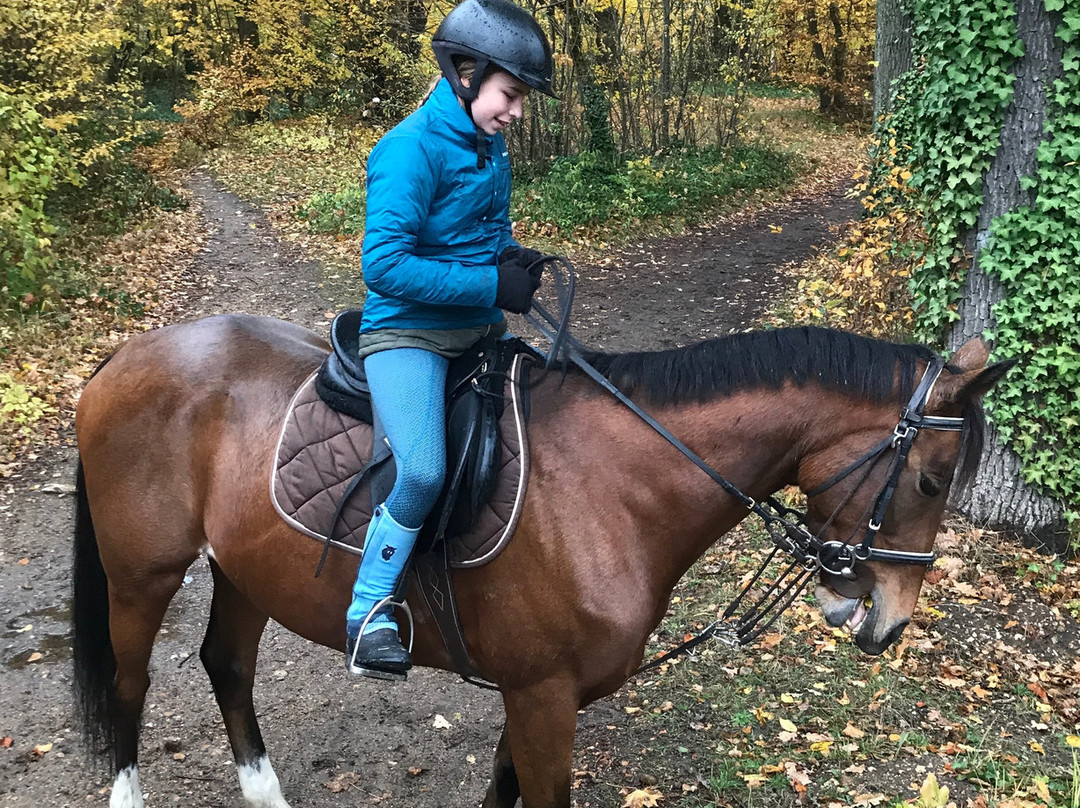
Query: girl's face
499	101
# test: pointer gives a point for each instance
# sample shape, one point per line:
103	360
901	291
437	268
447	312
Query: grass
583	193
806	710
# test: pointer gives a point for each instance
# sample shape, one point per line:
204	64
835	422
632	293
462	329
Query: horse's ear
972	355
975	378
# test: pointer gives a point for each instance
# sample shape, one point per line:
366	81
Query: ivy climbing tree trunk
999	497
892	50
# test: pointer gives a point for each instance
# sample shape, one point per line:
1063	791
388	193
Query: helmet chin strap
481	142
481	135
468	93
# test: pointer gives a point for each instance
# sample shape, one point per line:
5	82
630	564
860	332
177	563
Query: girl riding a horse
440	266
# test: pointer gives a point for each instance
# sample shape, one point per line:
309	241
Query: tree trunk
665	77
595	101
812	28
892	51
999	498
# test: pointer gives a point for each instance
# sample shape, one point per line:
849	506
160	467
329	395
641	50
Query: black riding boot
379	654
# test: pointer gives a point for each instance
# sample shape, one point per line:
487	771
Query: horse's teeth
854	623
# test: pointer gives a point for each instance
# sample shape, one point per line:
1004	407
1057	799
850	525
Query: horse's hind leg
229	654
503	792
134	619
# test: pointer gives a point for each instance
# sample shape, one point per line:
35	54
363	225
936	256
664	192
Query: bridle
807	552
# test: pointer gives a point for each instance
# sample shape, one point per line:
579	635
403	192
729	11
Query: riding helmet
498	33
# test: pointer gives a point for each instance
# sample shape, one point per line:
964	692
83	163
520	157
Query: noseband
808	552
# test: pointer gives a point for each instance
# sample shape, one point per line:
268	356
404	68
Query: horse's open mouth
858	615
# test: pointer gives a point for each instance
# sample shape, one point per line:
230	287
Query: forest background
105	107
101	103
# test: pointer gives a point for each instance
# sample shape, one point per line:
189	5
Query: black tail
95	665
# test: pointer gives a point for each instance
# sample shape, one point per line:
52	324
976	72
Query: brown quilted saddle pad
320	451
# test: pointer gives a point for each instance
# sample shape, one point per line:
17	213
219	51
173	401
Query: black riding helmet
494	32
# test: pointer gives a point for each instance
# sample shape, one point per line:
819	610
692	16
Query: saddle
332	447
474	405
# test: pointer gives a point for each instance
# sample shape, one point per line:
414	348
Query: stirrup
375	673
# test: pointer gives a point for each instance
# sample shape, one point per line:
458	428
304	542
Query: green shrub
18	405
339	212
586	190
33	162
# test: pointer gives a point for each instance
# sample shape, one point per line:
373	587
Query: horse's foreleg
540	724
134	620
503	792
229	653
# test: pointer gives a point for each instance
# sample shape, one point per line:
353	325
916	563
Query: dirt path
334	741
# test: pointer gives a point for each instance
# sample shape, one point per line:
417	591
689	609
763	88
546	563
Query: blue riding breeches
408	388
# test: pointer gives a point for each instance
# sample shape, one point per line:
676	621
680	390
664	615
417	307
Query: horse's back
175	404
193	361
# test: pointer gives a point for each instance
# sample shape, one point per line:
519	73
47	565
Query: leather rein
807	553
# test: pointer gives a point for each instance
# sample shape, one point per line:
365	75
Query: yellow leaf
1035	746
1042	789
931	795
788	725
642	798
1072	740
42	748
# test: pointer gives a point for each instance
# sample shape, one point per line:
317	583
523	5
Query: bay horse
176	434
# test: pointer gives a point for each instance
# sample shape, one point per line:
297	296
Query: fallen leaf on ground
642	798
852	731
343	782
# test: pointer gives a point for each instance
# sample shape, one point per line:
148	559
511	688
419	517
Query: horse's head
876	598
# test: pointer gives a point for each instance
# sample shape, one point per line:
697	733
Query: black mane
878	371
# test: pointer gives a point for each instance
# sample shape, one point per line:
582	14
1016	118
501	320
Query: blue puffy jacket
435	222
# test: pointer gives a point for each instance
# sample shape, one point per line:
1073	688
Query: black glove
527	257
516	286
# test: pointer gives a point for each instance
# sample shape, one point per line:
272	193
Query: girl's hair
466	67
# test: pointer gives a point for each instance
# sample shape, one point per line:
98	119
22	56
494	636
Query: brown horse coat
176	436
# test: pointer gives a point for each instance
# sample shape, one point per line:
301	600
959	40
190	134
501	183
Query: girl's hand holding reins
530	258
516	284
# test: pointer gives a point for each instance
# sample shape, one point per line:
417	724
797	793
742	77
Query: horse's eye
928	487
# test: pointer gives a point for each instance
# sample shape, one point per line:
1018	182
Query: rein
808	552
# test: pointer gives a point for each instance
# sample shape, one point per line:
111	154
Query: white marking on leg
125	791
260	785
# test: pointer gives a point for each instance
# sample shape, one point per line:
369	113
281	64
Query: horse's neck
754	439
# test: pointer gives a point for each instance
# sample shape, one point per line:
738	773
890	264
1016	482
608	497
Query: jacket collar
450	110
